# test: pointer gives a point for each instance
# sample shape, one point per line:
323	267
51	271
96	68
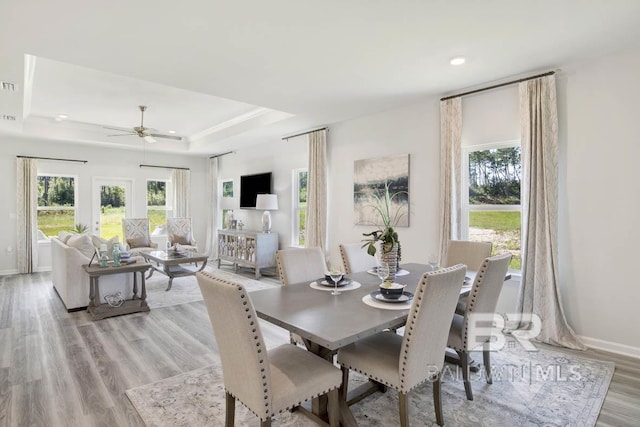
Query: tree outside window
299	206
56	204
491	197
158	207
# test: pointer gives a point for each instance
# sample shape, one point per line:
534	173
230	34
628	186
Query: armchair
137	236
179	233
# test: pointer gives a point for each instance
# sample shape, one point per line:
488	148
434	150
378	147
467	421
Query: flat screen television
251	186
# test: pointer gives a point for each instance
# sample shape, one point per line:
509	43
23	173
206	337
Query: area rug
185	289
542	388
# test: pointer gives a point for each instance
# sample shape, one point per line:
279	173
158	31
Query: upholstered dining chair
300	265
179	233
482	300
472	254
404	362
266	382
137	236
355	258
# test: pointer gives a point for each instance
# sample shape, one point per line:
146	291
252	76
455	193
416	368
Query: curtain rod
52	158
549	73
164	167
222	154
305	133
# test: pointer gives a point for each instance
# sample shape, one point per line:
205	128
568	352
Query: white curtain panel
317	191
450	172
27	192
539	292
180	179
212	216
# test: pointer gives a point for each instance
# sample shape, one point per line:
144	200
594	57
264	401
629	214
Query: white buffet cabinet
247	248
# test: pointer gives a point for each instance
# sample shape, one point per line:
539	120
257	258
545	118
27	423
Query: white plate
401	272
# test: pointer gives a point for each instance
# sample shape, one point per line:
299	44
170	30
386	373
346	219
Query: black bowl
392	293
330	280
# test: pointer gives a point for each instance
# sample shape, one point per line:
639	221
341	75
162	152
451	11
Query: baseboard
42	269
9	272
612	347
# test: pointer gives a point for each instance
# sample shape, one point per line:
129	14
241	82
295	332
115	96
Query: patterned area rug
185	289
529	389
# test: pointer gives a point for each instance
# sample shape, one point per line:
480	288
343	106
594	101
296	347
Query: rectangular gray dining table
328	322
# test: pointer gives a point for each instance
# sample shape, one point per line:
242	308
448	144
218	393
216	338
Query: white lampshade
267	202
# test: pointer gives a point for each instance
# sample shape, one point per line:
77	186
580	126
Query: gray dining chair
404	362
355	258
472	254
300	265
266	382
482	299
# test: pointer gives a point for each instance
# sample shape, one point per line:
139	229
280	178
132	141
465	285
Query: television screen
251	186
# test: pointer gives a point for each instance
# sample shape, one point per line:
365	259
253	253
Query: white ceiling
230	74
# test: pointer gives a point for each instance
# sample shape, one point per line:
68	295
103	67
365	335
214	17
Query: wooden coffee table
170	263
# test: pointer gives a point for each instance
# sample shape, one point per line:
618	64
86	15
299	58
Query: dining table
329	322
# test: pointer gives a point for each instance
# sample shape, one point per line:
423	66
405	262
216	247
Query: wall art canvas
369	178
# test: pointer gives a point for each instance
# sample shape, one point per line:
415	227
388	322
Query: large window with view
56	204
158	206
299	206
491	197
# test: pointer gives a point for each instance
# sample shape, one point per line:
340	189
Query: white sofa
72	282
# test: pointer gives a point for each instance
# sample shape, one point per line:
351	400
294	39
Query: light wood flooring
63	369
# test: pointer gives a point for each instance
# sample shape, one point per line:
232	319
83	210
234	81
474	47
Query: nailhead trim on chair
281	271
345	262
267	404
472	300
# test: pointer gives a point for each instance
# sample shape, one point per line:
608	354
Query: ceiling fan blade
123	134
159	135
149	138
120	129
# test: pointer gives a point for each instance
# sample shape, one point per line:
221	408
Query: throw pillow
83	243
138	242
64	236
181	240
97	241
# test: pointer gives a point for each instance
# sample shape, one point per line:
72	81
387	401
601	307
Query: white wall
414	129
600	199
102	162
280	158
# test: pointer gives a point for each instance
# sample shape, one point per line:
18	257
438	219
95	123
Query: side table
100	311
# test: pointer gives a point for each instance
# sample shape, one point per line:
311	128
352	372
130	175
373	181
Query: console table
137	304
247	248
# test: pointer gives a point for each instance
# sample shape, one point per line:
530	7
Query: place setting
390	295
335	281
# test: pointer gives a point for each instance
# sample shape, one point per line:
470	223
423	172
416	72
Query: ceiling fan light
149	139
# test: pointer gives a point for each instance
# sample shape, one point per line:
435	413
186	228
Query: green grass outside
53	222
504	232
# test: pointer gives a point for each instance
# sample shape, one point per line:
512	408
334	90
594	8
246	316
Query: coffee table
170	263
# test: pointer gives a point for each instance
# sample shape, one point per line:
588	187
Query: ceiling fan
148	134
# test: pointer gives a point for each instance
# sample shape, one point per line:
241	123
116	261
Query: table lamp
267	202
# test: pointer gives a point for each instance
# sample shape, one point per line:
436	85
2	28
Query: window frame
465	207
168	207
61	208
295	205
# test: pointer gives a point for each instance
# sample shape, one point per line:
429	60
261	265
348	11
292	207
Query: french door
111	203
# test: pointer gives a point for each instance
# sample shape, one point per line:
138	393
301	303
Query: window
299	206
491	197
158	206
56	204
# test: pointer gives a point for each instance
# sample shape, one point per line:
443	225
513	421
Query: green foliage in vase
382	203
80	228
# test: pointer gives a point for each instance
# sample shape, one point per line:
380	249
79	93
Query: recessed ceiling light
58	119
171	131
458	60
63	116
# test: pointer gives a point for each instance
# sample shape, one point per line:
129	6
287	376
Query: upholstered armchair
179	233
404	362
266	382
355	258
137	236
482	300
